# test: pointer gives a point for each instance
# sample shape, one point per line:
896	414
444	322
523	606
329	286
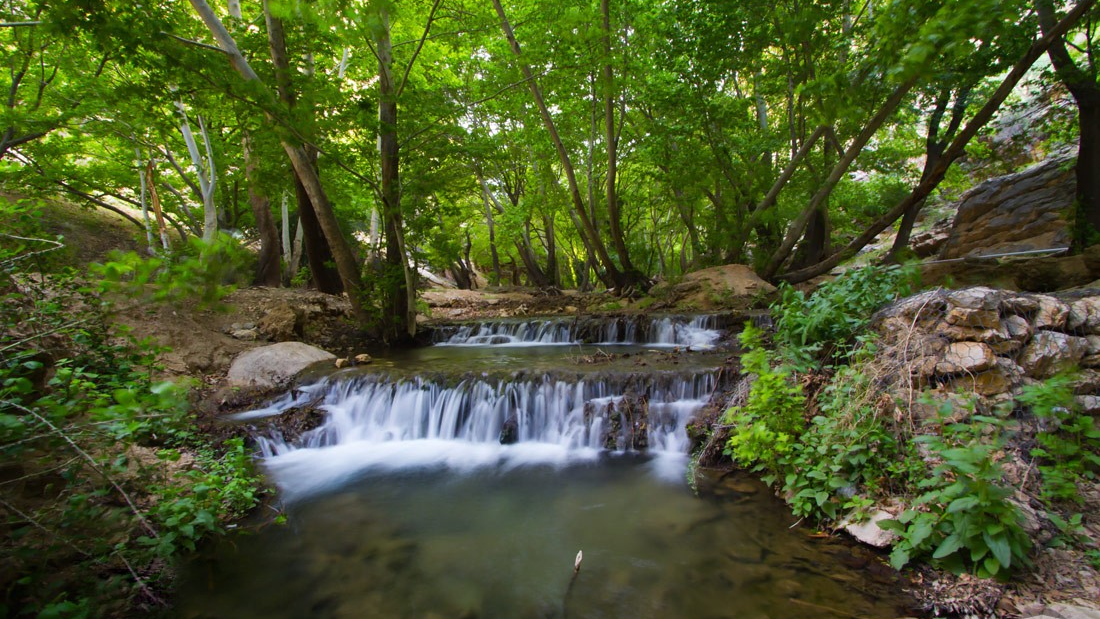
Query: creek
460	481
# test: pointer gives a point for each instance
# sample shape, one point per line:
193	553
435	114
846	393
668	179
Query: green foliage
201	273
764	429
82	416
963	520
1068	449
823	324
848	454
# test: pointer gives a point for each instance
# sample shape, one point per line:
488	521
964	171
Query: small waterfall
684	331
504	332
373	422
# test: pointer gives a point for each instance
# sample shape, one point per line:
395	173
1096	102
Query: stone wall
991	342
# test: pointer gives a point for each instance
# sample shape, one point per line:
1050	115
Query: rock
1093	344
969	357
1069	611
1090	404
1020	306
342	363
1052	313
1018	330
869	532
363	359
281	323
979	318
1084	315
975	298
274	365
1018	212
1050	352
245	335
509	433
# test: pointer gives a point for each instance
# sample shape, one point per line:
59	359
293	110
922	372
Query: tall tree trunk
204	170
1086	93
318	253
268	272
954	151
492	236
303	167
630	275
611	275
400	301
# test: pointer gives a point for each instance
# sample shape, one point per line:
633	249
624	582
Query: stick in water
568	590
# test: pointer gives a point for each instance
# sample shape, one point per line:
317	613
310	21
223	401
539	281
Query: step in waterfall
699	332
373	422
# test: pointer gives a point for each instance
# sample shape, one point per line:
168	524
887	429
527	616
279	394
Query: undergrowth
103	477
841	452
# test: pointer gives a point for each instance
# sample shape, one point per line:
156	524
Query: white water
697	332
374	424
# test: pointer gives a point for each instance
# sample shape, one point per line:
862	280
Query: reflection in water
495	543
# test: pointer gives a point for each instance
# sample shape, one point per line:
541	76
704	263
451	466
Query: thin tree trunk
145	204
205	172
150	180
631	275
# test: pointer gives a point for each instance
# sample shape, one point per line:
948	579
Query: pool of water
500	542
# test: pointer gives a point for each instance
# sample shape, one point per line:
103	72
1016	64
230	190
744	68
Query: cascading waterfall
698	332
376	423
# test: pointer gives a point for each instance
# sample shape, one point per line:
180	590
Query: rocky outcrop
275	365
1018	212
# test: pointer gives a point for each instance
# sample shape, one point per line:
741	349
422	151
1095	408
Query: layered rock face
1018	212
988	341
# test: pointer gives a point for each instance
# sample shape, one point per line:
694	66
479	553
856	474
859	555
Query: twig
91	462
140	582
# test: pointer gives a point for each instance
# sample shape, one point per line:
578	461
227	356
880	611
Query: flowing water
406	502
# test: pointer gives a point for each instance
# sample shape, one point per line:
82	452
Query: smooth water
405	502
501	544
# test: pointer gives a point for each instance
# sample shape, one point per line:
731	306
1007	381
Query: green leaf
948	546
999	546
899	557
962	503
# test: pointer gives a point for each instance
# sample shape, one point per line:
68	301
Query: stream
461	480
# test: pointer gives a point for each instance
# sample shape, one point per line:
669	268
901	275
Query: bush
823	325
1069	445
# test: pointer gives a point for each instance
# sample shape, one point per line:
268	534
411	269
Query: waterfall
700	332
376	423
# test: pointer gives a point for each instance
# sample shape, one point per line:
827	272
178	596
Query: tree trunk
318	253
799	225
1086	93
630	275
400	303
268	272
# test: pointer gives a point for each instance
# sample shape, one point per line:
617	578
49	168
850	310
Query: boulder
998	379
975	298
1050	352
1018	212
275	365
1084	315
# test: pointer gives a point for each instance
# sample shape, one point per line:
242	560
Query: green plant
963	520
766	426
1069	444
823	324
199	274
